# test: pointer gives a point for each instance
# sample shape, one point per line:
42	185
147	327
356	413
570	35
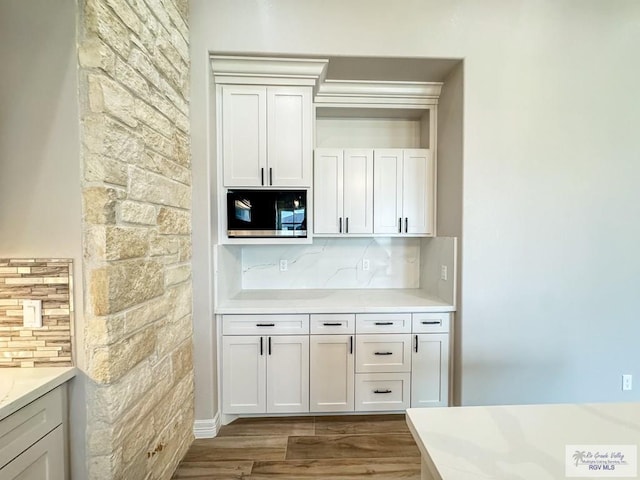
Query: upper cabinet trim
378	92
268	70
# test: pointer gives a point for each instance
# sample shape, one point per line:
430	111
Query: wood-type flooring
297	448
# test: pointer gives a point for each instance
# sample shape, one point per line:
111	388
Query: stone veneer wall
48	280
134	77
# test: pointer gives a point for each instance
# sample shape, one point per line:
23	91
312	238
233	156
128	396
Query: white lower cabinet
33	439
288	374
430	360
334	362
244	380
332	381
430	370
44	460
265	374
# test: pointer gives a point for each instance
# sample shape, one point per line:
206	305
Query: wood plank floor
296	448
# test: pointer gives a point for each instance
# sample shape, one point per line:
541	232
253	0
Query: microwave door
266	213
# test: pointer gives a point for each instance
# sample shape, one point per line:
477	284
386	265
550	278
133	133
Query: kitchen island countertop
526	442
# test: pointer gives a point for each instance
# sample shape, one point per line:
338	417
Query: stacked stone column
134	77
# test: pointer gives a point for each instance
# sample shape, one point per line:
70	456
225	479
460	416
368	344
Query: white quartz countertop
333	301
526	442
20	386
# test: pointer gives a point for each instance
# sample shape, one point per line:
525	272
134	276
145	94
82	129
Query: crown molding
268	70
358	92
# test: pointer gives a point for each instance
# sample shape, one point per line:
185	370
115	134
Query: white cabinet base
44	460
331	379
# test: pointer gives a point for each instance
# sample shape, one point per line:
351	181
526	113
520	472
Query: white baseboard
207	428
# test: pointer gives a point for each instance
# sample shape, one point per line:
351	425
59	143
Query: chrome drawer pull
384	323
383	353
439	322
327	324
265	324
382	391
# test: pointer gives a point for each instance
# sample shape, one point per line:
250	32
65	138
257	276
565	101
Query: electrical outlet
627	382
283	265
443	273
365	264
32	313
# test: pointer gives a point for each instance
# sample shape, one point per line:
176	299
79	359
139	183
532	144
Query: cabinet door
332	373
358	191
44	460
289	136
327	191
387	191
243	374
418	192
430	370
288	374
244	135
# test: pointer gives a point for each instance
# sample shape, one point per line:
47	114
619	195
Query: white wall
550	212
450	179
40	201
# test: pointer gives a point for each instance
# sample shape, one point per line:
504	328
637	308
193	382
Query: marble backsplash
48	280
333	263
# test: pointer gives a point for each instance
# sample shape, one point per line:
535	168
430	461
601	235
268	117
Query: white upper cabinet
266	135
244	134
404	192
343	191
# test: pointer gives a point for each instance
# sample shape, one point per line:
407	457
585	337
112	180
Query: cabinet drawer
382	391
23	428
383	353
383	323
329	324
265	324
431	322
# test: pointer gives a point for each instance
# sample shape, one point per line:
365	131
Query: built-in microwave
267	213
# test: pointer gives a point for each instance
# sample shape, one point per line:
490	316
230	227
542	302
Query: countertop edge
39	389
332	301
229	310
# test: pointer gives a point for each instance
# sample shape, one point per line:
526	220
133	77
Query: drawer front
382	391
23	428
265	324
330	324
431	322
383	323
383	353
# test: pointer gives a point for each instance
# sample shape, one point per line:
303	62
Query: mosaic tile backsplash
49	280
